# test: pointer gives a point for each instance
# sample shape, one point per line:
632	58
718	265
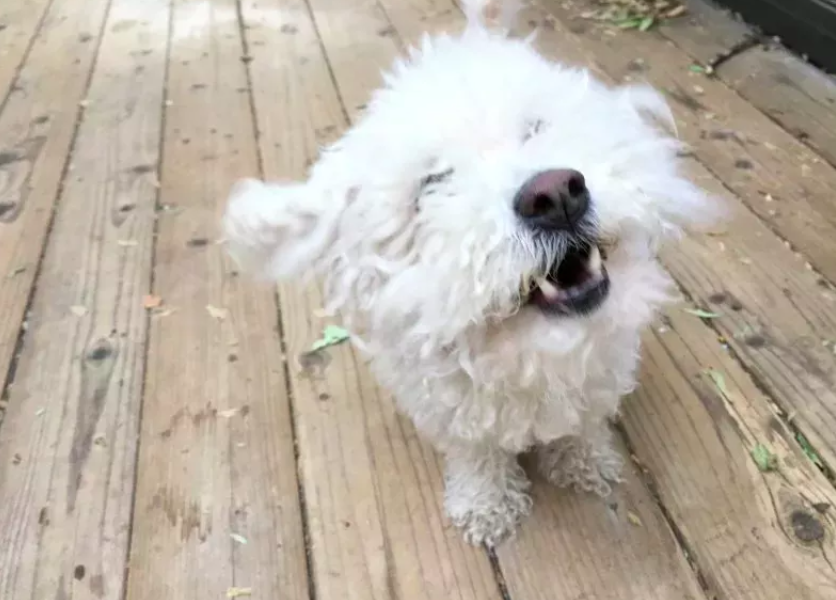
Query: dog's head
481	181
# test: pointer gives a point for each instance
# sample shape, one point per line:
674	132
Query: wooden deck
160	437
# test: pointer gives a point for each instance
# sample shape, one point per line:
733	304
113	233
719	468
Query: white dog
489	232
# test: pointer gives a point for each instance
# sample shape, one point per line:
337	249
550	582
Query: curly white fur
409	219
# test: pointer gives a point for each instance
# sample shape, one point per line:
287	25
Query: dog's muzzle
557	202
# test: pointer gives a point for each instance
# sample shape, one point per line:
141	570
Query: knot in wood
806	527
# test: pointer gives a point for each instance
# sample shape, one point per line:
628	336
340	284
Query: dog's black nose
553	200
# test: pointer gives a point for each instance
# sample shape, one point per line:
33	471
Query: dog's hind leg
586	463
486	492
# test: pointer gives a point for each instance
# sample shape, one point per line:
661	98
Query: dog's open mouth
577	285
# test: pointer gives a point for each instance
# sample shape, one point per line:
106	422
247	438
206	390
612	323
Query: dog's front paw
493	521
577	463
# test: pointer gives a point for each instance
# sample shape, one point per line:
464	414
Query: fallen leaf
702	314
238	538
631	23
127	243
16	272
331	336
39	412
78	310
229	413
151	301
237	592
634	518
719	381
764	458
808	450
697	69
646	23
676	11
218	313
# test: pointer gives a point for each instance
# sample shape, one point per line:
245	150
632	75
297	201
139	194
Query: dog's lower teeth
549	290
594	263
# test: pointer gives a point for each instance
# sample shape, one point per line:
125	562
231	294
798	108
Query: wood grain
37	126
372	489
20	22
67	448
653	568
217	504
753	156
579	546
695	423
707	32
796	95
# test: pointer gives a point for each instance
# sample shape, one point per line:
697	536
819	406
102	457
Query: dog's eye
532	129
426	182
434	178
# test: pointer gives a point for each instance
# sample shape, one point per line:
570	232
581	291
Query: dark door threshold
806	26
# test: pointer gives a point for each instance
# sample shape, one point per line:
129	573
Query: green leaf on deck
764	458
703	314
631	23
331	336
808	450
719	382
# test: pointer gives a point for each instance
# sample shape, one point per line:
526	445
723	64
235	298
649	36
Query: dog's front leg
485	492
585	462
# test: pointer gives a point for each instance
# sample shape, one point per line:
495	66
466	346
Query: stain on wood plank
65	509
217	454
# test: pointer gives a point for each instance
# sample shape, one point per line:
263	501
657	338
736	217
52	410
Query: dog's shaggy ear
275	231
688	206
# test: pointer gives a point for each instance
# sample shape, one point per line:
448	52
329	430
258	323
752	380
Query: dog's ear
275	231
687	206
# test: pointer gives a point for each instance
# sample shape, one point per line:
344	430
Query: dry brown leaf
151	301
78	310
634	518
218	313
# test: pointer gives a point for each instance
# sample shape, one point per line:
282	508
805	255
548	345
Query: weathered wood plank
702	428
20	22
68	446
372	489
578	546
653	568
707	32
216	462
798	96
793	93
776	314
37	126
778	177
